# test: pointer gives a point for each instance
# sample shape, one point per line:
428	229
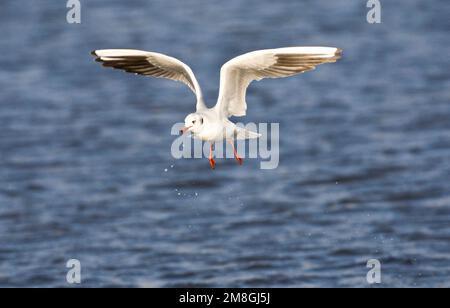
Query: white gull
213	124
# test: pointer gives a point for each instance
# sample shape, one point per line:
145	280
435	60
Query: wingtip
94	53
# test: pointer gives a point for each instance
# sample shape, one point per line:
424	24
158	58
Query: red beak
184	130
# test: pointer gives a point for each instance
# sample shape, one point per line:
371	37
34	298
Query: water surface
365	148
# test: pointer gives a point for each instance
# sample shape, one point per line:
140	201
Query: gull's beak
184	130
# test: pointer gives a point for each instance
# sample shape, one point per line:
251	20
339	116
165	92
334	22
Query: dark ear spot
201	120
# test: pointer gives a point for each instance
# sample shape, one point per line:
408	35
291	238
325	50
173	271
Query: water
86	170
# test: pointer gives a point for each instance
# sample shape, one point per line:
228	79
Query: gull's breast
212	132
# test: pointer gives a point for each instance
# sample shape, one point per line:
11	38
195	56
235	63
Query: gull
213	124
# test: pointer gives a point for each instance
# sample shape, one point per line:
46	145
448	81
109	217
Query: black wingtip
94	53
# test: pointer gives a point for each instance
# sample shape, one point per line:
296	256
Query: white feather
237	74
151	64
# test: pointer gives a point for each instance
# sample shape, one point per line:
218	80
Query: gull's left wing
237	74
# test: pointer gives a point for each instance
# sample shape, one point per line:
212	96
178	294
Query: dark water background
365	148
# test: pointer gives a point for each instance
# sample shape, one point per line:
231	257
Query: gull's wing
151	64
237	74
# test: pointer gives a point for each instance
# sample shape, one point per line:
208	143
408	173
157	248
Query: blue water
365	148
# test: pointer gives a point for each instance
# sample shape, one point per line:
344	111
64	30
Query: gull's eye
193	122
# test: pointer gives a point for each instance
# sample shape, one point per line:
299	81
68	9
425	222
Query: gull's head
193	123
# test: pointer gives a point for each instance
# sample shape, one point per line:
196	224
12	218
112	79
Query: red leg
238	158
212	162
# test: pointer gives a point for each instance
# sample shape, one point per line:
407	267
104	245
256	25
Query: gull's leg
212	162
238	158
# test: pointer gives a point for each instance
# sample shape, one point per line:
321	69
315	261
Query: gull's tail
244	134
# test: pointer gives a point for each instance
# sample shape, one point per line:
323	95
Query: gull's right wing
151	64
